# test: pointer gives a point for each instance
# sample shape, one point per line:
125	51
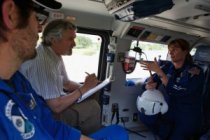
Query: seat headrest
202	53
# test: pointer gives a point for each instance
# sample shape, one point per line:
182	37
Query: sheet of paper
93	90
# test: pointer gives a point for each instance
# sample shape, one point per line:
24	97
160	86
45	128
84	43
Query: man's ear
54	41
10	14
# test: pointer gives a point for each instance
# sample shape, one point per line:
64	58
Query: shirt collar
51	53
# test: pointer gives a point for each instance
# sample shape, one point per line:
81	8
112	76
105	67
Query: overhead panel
153	34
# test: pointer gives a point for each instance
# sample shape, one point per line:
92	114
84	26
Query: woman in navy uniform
183	83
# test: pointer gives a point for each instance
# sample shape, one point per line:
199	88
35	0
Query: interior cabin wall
90	20
124	96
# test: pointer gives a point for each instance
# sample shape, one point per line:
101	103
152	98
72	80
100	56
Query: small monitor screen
116	4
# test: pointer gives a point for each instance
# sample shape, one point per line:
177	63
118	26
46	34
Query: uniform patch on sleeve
19	120
194	71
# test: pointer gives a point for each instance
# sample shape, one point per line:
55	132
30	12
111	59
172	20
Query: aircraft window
192	52
84	58
151	50
40	39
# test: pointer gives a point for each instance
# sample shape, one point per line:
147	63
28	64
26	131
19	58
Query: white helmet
152	102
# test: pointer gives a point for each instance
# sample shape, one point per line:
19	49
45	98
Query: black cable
135	132
115	112
131	131
117	116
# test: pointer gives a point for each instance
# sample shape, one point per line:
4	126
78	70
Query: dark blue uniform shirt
184	89
183	95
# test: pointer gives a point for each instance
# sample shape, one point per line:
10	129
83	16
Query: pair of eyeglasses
41	18
41	13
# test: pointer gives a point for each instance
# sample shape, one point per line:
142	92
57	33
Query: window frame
105	37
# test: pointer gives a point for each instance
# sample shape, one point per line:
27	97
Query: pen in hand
87	73
93	75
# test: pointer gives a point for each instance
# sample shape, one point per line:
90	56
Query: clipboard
93	90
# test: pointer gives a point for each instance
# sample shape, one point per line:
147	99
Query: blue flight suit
206	136
183	95
25	115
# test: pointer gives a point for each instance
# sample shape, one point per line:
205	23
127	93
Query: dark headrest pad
51	4
202	53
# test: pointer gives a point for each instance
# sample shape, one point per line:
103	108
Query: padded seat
202	59
85	116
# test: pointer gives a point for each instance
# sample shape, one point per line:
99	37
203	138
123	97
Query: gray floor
146	136
141	135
